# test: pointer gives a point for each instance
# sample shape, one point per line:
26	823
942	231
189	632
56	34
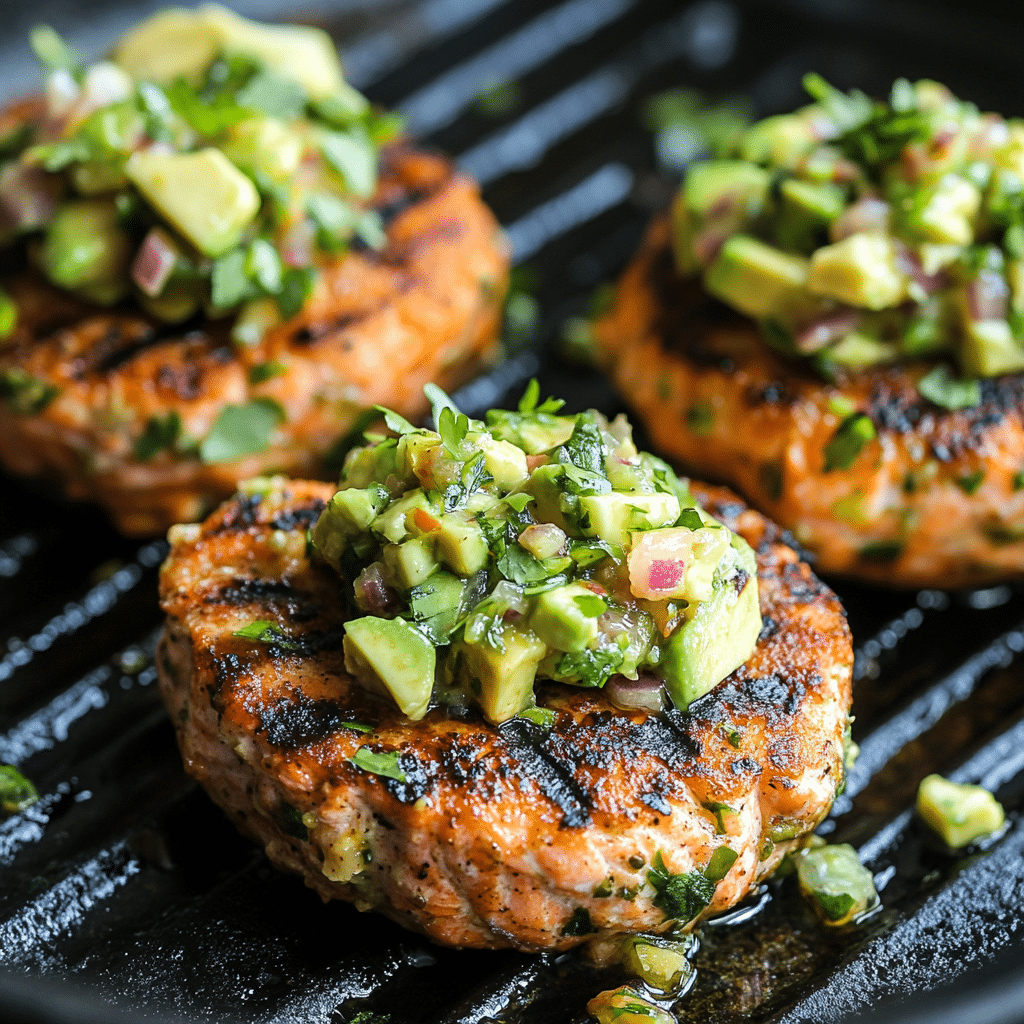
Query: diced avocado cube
211	218
97	178
392	524
713	184
807	209
547	485
949	213
370	464
172	44
563	619
177	302
684	227
709	545
534	434
858	350
989	349
778	141
860	270
613	517
84	247
758	279
719	638
506	462
658	962
392	658
461	544
501	681
835	883
264	145
348	515
411	562
417	452
961	814
300	52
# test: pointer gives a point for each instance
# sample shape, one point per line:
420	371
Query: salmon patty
99	399
494	836
876	480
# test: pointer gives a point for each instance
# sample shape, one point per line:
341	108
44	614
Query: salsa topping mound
859	232
479	557
208	163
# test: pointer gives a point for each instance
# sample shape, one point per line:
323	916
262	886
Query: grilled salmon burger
514	684
216	254
832	321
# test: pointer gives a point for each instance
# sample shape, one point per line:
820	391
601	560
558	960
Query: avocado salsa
210	163
479	557
860	233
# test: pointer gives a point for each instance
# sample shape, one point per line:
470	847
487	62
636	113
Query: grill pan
126	896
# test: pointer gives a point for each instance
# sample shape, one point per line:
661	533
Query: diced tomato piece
424	521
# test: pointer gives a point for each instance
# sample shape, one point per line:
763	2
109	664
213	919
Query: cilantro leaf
579	923
378	764
544	717
24	393
835	906
453	428
241	430
846	110
262	372
160	432
399	424
266	632
51	50
16	792
353	157
439	400
518	565
289	820
296	286
848	441
208	117
589	667
585	447
229	283
591	605
474	474
273	95
681	897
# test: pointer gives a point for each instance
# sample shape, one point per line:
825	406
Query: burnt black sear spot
298	518
119	347
302	721
311	333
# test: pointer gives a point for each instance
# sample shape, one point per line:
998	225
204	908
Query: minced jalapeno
860	232
480	556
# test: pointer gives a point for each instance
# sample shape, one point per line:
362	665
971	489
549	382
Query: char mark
240	515
291	724
285	600
771	698
114	350
552	777
314	332
300	518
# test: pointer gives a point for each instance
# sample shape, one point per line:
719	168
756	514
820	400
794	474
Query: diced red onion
647	693
372	593
908	263
511	597
297	244
867	214
154	263
993	133
821	127
707	244
825	330
988	296
533	461
28	197
666	574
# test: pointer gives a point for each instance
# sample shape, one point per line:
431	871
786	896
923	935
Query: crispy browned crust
900	515
377	328
499	835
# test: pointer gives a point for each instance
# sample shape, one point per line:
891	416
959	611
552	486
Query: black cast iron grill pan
125	895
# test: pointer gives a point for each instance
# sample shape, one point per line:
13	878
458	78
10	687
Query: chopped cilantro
266	632
943	389
1018	481
848	441
517	502
882	551
399	424
585	447
16	792
266	371
690	518
296	286
528	403
160	432
229	283
209	117
589	667
289	820
24	393
272	95
835	906
681	897
579	923
971	482
591	605
544	717
378	764
352	156
700	418
719	810
241	430
453	427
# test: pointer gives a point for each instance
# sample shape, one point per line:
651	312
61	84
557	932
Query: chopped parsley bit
528	403
579	923
24	393
289	820
841	406
681	897
160	432
266	632
770	476
604	889
16	792
700	418
358	726
970	483
848	441
882	551
241	430
943	389
735	738
378	764
266	371
399	424
1018	481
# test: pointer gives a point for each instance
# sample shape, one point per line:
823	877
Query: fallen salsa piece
483	556
832	320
